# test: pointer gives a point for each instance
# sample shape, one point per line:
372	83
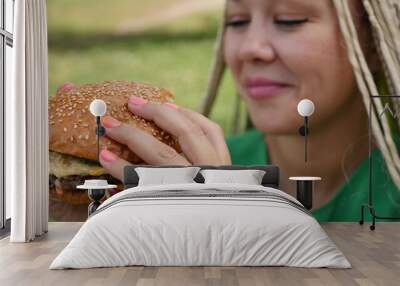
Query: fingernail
137	100
66	86
170	104
107	156
110	122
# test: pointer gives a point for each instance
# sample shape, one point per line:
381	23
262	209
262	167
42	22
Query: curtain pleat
15	127
29	159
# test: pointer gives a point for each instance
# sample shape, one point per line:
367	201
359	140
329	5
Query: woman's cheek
231	51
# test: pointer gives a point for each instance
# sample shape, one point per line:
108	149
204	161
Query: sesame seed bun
72	126
73	142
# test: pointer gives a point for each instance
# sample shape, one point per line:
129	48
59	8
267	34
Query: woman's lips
261	88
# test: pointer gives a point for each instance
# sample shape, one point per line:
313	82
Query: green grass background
85	46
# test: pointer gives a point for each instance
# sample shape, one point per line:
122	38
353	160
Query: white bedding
183	231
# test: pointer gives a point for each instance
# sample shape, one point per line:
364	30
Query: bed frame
270	179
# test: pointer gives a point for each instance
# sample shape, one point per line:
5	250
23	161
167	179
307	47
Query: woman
279	52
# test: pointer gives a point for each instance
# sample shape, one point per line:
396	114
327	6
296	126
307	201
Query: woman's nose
257	46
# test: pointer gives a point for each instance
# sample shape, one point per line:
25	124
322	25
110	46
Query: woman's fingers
193	140
148	148
213	131
113	164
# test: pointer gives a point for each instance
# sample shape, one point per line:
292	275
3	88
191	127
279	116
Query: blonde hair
384	17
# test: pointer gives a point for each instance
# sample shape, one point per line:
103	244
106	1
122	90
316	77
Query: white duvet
183	231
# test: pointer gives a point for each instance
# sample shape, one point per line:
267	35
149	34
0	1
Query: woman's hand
201	140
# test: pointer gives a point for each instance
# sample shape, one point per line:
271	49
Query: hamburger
73	141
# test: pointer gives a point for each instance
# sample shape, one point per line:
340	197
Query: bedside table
96	191
305	189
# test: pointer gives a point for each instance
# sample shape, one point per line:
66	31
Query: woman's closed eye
280	22
290	22
237	23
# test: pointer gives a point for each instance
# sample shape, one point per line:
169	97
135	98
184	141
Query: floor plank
374	255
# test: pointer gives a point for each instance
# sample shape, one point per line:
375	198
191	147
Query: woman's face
282	51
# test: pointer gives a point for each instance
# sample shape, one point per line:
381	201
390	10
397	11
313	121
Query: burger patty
69	183
68	172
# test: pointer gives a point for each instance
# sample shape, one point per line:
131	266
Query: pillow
162	176
248	177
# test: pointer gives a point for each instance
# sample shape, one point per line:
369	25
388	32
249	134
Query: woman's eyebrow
301	4
291	3
234	2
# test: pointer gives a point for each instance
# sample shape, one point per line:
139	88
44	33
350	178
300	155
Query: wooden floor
374	255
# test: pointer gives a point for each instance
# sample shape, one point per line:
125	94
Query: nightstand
305	189
96	192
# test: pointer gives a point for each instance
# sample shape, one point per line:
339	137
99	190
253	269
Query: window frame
6	39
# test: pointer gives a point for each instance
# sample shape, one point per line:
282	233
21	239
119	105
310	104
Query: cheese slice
62	165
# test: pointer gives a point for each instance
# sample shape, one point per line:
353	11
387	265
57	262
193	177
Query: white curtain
27	124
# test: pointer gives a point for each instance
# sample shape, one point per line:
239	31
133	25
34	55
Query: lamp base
96	195
303	131
304	193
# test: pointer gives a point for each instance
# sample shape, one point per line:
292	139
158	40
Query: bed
201	223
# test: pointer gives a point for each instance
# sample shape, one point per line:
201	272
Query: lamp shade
98	107
305	107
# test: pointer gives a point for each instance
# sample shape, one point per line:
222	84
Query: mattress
201	225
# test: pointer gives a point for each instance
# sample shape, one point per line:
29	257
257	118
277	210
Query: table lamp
98	108
97	188
305	108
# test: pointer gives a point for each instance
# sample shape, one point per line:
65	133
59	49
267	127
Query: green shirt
249	148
